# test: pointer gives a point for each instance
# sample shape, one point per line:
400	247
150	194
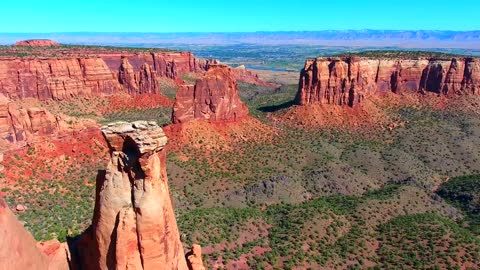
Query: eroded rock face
19	125
37	43
95	74
134	224
347	81
213	97
18	249
194	258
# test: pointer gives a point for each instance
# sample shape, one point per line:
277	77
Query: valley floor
348	188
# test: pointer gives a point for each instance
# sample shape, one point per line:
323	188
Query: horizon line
241	32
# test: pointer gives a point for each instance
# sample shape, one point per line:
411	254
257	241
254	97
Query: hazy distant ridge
458	39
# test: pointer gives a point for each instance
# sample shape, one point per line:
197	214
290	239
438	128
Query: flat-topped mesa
134	224
69	72
348	80
37	43
214	97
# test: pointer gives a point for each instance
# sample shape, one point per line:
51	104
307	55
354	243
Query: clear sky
42	16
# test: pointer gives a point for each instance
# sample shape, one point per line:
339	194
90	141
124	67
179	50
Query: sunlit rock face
72	73
348	80
18	249
20	125
214	97
134	224
37	43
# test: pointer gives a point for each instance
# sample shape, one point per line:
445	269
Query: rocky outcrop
214	97
18	249
19	125
37	43
244	75
194	258
347	81
134	224
92	73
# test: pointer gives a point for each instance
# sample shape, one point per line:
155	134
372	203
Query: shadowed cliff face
347	81
134	224
214	97
92	75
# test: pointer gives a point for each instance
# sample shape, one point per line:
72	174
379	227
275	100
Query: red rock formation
18	248
57	253
347	81
37	43
20	125
70	74
134	225
214	97
244	75
194	258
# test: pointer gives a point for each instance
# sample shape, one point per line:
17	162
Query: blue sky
37	16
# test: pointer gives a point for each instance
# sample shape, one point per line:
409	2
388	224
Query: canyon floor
392	183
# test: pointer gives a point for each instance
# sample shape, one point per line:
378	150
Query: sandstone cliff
347	81
214	97
91	73
19	125
134	224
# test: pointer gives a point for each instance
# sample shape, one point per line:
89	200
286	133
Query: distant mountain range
360	38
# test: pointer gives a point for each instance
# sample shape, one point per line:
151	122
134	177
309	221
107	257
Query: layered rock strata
347	81
134	224
214	97
19	125
94	74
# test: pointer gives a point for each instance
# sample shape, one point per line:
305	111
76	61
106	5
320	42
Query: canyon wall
214	97
91	74
348	80
19	125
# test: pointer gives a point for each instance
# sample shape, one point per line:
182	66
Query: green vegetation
426	241
464	193
65	50
261	100
337	231
401	54
161	115
59	203
305	197
292	57
168	88
189	78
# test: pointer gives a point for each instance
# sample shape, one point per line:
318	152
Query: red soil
212	136
60	155
121	102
